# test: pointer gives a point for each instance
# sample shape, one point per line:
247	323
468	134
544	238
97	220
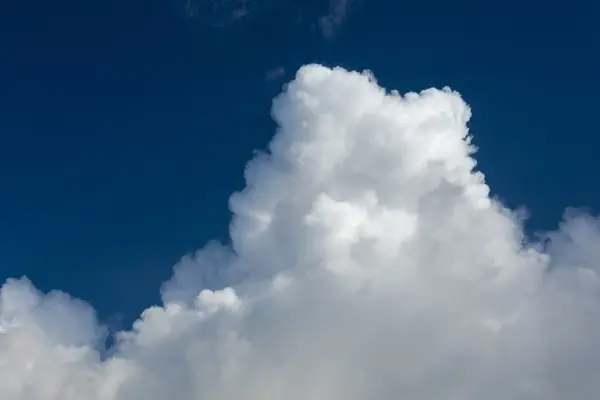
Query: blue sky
125	125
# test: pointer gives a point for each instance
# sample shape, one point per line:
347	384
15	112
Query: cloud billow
367	261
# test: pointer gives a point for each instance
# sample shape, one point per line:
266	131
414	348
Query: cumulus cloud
367	261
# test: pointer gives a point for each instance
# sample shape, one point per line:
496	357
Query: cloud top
367	260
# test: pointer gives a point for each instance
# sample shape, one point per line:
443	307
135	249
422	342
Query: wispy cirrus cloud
327	16
220	13
275	73
330	22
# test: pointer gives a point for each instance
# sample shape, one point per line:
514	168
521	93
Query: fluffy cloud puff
367	261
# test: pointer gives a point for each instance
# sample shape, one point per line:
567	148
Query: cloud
367	261
218	13
330	22
275	73
228	13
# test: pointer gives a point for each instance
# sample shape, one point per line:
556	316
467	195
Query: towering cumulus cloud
367	261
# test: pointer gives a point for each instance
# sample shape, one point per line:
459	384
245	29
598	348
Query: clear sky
125	125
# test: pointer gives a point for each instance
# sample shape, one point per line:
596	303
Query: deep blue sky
125	126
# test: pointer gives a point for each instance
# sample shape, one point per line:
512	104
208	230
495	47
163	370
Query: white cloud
367	262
